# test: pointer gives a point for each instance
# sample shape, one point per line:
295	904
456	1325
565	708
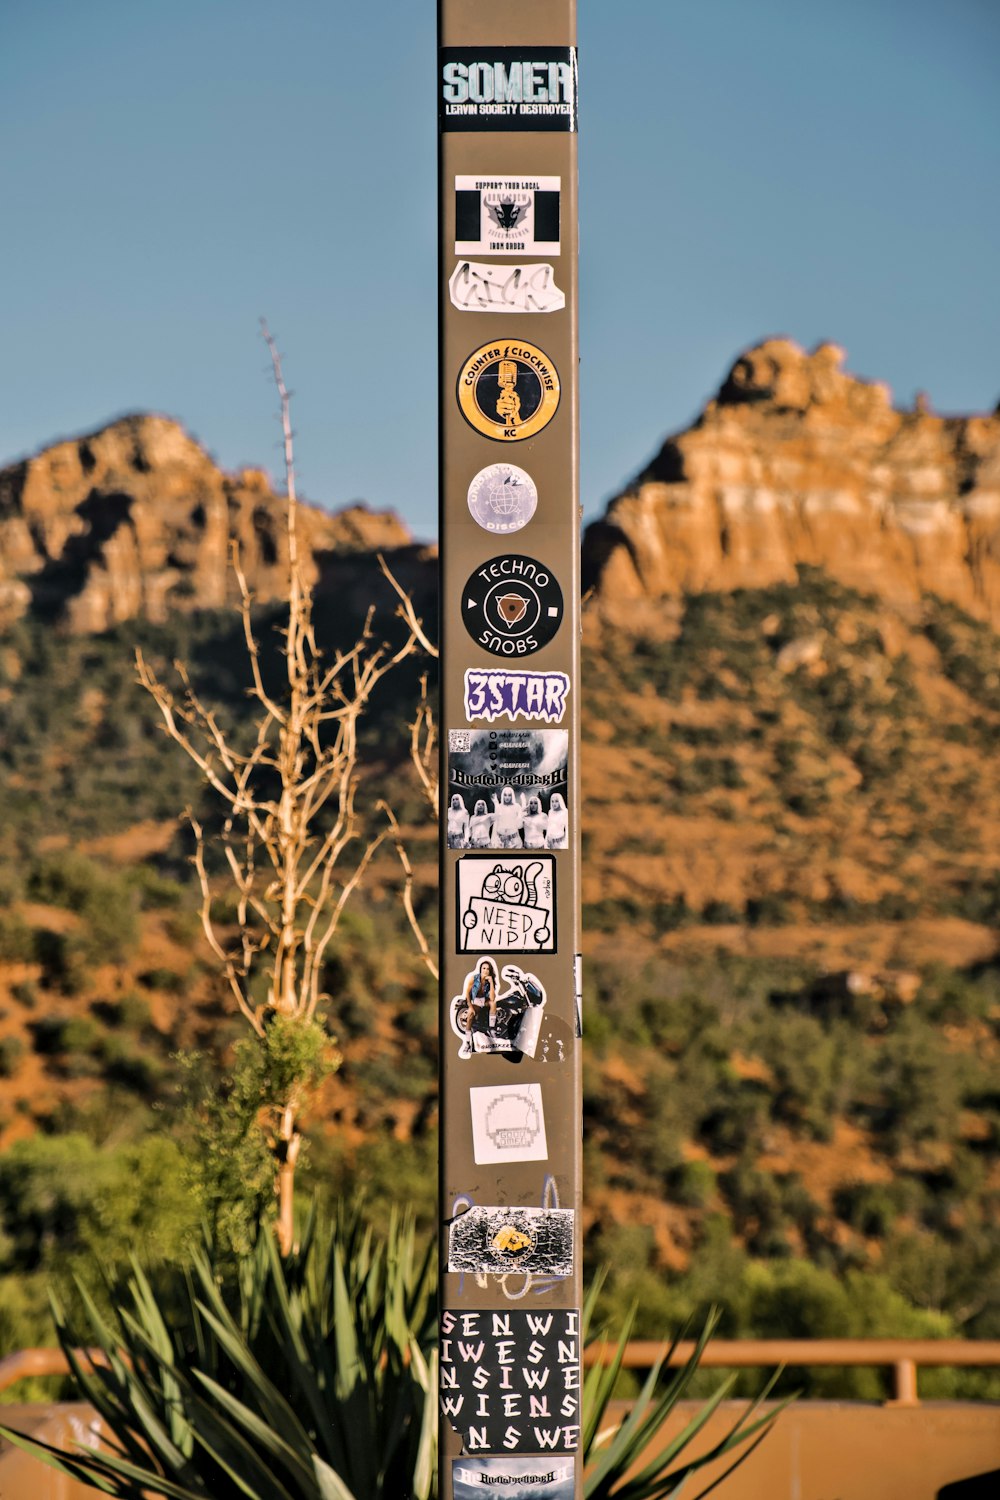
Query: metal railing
904	1357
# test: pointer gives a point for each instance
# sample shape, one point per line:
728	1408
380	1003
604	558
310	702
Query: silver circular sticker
502	498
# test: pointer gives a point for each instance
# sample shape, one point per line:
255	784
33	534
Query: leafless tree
292	837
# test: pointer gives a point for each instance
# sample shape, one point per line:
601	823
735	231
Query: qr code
459	740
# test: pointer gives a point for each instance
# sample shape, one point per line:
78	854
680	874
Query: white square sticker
508	1123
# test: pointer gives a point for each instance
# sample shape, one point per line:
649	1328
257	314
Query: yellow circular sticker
508	390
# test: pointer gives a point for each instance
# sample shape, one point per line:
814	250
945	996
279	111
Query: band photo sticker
508	789
516	1478
511	1380
508	88
507	216
498	1011
505	904
475	286
502	498
493	695
494	1241
512	605
508	390
508	1123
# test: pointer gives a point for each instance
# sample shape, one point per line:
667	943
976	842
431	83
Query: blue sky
170	171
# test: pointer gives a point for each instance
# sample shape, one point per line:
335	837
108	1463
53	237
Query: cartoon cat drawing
512	886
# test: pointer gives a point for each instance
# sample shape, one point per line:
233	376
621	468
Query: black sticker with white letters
512	605
508	88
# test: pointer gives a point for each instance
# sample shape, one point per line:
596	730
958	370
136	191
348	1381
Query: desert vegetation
791	998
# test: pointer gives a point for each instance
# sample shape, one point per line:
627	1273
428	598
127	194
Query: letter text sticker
495	694
508	88
511	1380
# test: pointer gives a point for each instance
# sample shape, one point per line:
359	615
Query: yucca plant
302	1379
612	1448
315	1378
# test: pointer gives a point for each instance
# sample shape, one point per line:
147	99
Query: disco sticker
512	605
508	391
502	498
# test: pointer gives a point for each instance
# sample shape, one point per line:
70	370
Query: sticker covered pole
511	1025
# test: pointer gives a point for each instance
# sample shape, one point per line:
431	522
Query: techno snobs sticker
502	498
477	287
508	391
512	605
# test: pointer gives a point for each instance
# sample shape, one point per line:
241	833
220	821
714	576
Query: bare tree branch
406	611
289	800
411	915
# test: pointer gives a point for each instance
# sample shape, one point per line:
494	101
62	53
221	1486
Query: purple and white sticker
502	498
498	694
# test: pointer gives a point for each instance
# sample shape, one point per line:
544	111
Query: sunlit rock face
138	520
796	462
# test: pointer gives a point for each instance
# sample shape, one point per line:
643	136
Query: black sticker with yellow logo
508	390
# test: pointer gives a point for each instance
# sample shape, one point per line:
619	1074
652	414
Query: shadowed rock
137	520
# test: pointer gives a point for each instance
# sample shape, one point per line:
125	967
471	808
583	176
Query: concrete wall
818	1451
849	1451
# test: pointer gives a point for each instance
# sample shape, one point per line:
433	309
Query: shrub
12	1049
16	939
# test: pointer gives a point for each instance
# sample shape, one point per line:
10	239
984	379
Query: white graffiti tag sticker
476	287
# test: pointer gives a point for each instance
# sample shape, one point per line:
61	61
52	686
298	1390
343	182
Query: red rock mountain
796	462
137	520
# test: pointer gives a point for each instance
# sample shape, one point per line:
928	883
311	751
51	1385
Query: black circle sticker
512	605
508	390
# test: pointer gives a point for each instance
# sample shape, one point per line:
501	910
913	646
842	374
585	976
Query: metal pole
510	1416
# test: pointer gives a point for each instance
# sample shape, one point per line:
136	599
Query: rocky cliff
137	520
796	462
793	463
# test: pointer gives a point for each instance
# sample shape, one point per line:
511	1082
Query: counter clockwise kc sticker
508	390
512	605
